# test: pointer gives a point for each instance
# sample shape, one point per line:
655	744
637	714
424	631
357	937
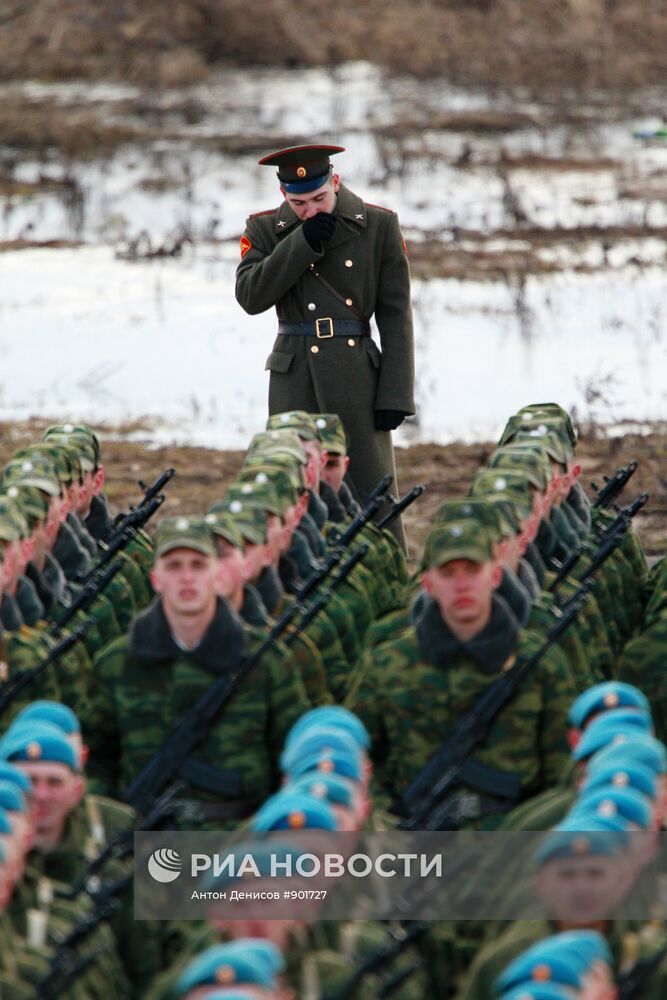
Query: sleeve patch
245	246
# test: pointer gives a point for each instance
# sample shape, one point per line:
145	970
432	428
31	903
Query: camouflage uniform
143	684
411	691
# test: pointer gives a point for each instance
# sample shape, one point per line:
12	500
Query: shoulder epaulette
369	204
257	215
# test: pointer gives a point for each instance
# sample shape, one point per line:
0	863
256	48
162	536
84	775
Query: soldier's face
53	521
186	581
585	889
323	199
56	790
231	570
10	566
334	470
274	530
463	589
258	557
316	458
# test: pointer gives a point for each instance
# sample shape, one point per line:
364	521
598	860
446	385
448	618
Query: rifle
343	572
631	983
422	804
378	960
614	485
122	845
12	687
86	597
192	728
398	506
61	968
610	538
126	526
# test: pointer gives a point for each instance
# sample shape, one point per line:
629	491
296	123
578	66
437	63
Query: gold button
314	349
348	302
351	342
311	306
348	263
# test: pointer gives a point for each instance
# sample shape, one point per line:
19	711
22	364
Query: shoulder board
258	215
369	204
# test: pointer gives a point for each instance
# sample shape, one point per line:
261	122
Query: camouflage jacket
411	691
144	683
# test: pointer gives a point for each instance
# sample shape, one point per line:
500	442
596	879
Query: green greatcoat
365	261
143	684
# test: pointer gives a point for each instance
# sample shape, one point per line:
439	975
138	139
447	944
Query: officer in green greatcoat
328	262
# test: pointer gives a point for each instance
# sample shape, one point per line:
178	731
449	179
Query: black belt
326	327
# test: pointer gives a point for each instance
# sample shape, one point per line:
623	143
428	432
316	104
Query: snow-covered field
87	335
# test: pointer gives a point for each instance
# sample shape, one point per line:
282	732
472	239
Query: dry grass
77	133
534	43
204	473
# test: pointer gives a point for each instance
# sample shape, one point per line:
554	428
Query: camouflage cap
32	471
284	487
285	442
250	522
258	494
9	528
523	461
332	433
554	411
515	485
548	439
507	512
184	532
297	420
223	526
79	432
59	457
275	465
538	425
458	540
79	446
31	502
478	509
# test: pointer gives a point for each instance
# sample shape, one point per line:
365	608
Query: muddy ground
445	470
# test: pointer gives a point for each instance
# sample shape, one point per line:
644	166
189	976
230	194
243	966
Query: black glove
388	420
319	229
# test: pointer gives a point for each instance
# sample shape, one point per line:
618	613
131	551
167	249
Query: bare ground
445	470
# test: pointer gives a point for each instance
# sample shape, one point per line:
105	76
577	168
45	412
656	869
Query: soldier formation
275	656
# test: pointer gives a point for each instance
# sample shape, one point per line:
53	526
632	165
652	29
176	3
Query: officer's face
334	470
463	590
323	199
186	581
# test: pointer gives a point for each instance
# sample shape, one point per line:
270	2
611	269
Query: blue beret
334	716
627	803
288	810
585	835
328	787
11	797
50	711
5	825
537	991
347	765
612	727
606	697
8	772
618	774
641	748
38	742
227	965
320	740
560	960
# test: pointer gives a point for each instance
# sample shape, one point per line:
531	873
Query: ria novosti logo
165	865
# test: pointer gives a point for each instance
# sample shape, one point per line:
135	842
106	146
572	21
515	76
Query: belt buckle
324	336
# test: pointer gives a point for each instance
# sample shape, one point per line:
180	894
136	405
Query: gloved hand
388	420
319	229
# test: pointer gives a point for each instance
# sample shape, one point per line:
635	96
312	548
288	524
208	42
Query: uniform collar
348	205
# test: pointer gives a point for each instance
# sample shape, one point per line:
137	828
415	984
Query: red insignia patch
245	246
